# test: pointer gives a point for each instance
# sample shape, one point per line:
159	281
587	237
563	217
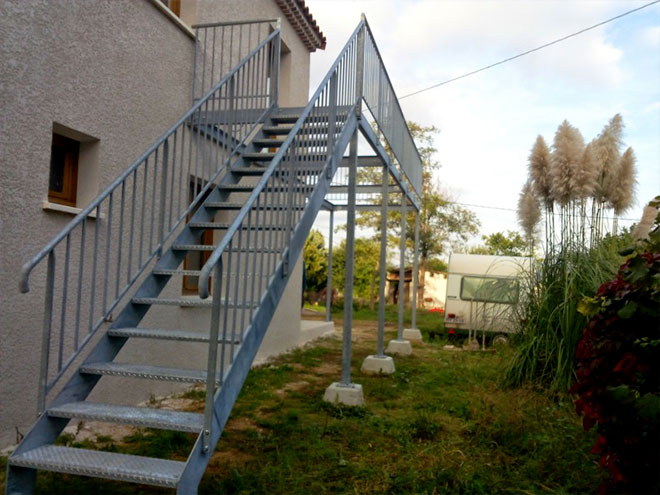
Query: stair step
259	157
268	143
252	171
283	130
163	334
207	247
237	206
147	372
191	302
145	417
174	271
108	465
224	226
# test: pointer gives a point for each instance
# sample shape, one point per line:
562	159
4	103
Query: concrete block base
348	395
412	334
378	365
399	348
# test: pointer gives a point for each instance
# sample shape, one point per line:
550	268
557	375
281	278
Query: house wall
118	74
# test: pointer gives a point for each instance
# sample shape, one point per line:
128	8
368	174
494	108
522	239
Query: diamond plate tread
120	467
163	334
237	206
220	226
188	302
268	143
254	171
207	247
147	372
145	417
259	156
174	271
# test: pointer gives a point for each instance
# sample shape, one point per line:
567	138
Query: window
490	289
173	5
63	180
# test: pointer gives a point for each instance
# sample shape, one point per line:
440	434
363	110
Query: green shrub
618	372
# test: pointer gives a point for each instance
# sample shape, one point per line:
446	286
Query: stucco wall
118	72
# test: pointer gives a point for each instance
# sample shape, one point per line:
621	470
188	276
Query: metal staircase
265	171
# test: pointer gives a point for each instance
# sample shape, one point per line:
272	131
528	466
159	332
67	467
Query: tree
441	219
366	270
499	244
315	256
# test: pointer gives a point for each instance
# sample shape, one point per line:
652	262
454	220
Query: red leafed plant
618	372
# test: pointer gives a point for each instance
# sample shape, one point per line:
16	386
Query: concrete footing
399	348
412	334
378	365
348	395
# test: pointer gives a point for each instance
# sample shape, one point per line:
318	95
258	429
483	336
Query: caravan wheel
500	339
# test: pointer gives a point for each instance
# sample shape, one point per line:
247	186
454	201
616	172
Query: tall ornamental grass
579	187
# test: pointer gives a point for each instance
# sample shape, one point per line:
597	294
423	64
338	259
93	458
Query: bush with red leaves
618	373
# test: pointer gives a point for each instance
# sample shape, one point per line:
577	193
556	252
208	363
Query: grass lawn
440	424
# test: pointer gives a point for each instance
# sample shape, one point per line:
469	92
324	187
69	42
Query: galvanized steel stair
38	451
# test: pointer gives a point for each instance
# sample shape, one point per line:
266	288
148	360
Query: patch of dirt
329	368
225	461
180	404
91	430
242	424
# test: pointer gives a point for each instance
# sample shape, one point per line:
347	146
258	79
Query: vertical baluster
163	199
81	267
45	335
170	198
120	236
108	243
65	295
95	258
143	216
154	192
132	232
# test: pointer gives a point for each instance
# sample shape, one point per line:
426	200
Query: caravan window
490	289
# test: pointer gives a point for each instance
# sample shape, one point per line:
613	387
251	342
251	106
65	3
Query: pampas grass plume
623	195
529	211
539	170
567	153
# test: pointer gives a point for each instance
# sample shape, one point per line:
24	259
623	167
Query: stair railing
267	220
106	248
384	105
221	45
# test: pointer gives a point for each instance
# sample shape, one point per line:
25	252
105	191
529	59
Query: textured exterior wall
119	72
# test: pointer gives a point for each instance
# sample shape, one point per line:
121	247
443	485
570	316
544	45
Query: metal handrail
404	148
85	212
274	208
177	170
249	203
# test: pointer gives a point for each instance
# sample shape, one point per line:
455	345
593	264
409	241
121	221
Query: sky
488	122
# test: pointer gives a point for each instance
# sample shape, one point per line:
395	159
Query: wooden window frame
71	151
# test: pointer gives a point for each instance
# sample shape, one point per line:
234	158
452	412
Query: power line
514	210
532	50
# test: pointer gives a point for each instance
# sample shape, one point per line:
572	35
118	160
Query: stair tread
210	247
216	225
145	371
183	301
121	467
162	333
258	156
147	417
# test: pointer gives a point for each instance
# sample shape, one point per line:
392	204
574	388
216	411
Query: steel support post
328	285
383	263
402	267
413	319
350	263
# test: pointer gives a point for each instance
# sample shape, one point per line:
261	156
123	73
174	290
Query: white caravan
481	293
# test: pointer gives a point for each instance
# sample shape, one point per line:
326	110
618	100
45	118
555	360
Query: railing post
212	356
45	334
195	57
275	66
383	262
332	118
413	319
402	266
328	286
163	193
